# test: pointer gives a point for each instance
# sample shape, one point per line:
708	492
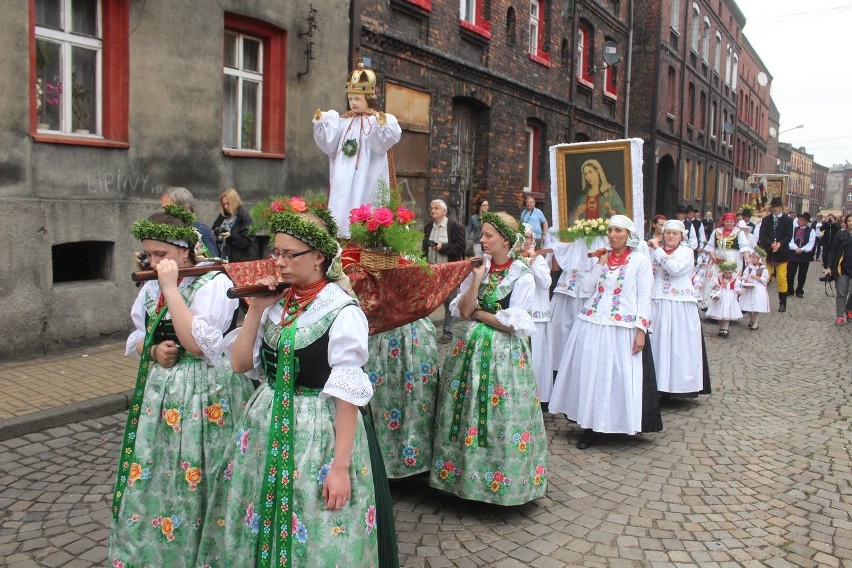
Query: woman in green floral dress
490	442
296	487
403	368
184	406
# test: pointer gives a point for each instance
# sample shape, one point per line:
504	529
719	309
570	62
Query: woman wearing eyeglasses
297	483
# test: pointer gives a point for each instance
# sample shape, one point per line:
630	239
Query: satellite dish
610	53
762	79
729	128
772	131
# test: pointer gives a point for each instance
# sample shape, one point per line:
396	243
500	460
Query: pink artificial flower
297	204
372	225
383	216
277	206
361	213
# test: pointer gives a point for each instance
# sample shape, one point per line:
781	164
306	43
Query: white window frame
68	40
675	22
535	28
735	72
705	47
696	27
529	132
728	65
467	11
718	55
243	75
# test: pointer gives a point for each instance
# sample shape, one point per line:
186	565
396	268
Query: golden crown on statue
361	81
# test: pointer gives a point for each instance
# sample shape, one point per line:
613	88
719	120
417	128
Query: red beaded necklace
500	267
161	301
616	260
298	298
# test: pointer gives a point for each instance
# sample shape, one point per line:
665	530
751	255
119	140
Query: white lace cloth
211	309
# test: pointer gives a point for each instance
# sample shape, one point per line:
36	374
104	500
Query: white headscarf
626	223
675	225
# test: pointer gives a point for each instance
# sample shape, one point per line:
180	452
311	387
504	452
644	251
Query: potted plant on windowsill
81	97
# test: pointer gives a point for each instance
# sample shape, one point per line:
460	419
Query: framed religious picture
596	180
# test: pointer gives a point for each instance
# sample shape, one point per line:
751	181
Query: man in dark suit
776	232
802	250
444	242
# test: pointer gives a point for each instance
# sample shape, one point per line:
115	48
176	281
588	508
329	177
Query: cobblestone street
756	474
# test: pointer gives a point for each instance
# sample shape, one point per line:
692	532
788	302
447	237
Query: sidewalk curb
60	416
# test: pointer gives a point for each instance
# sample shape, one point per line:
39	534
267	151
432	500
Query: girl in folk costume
606	377
490	441
723	297
185	403
296	487
755	298
676	341
357	144
727	243
540	341
403	369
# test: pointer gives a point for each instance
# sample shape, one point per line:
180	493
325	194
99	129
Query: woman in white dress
728	243
357	144
540	340
605	381
676	339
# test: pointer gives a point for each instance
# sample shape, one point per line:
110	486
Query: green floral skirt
403	368
345	537
187	419
499	454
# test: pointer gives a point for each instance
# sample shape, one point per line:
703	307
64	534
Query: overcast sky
805	46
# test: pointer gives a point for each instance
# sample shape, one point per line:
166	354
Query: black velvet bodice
311	363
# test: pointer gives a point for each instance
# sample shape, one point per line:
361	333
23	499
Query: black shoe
782	307
800	294
545	407
446	338
587	439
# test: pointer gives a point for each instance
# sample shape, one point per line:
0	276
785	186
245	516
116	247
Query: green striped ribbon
276	511
125	458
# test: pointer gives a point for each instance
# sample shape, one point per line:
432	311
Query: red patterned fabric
248	273
399	296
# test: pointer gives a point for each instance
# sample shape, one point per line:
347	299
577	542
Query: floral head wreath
184	237
760	252
728	266
514	237
281	215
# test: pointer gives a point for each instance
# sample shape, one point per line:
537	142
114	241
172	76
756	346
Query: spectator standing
182	197
444	242
830	227
817	226
691	236
694	224
708	222
231	228
533	216
656	229
802	245
473	231
838	258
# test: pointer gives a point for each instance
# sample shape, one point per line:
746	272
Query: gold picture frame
576	162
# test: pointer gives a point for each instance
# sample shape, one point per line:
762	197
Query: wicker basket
379	260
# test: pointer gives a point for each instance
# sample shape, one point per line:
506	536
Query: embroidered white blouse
621	296
673	275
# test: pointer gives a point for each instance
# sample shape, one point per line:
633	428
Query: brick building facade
482	88
684	101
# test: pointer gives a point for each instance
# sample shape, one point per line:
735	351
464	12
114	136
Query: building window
687	180
690	111
705	45
702	111
713	108
82	261
535	40
585	39
537	19
696	27
611	81
80	70
675	22
672	90
510	26
718	54
532	144
699	169
728	65
735	72
253	87
472	17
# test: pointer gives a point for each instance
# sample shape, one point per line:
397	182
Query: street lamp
789	129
